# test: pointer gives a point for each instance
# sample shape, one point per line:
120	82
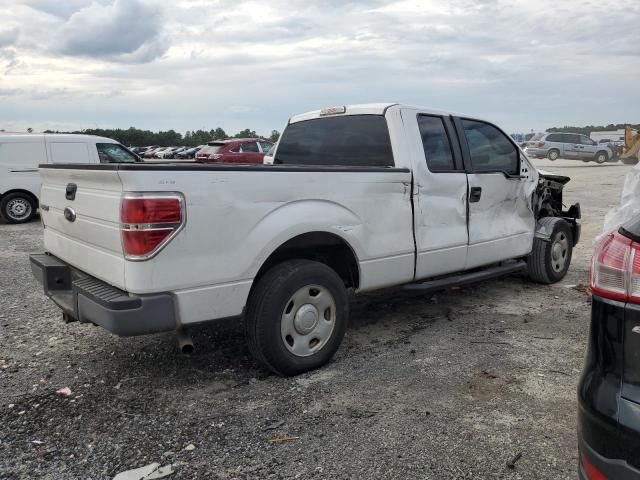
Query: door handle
474	194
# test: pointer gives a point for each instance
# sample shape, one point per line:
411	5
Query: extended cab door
501	219
439	195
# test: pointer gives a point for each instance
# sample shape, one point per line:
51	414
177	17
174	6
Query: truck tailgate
88	236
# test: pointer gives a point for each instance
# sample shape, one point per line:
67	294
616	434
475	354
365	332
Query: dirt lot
449	386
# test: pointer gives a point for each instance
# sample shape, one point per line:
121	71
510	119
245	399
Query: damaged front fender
547	202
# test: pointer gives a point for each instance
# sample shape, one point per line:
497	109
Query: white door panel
440	197
501	220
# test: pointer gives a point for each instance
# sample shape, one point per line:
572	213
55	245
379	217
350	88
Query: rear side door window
490	150
436	144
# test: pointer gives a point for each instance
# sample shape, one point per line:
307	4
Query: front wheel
550	259
296	317
17	208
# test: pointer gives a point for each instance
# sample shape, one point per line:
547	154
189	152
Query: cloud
253	63
125	30
8	36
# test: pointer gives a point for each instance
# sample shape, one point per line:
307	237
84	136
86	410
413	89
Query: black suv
609	389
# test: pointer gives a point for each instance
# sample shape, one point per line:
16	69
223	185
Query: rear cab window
350	140
114	153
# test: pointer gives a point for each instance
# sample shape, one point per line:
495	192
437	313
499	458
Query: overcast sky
190	64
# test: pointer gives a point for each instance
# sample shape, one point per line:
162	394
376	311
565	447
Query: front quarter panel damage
548	202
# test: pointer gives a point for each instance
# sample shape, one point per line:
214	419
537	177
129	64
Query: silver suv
567	145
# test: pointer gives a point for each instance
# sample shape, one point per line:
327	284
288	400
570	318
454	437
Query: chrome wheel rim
18	209
553	155
308	320
559	252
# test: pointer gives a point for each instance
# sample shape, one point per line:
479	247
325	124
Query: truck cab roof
363	109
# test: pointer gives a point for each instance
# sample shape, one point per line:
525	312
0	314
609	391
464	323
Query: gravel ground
447	386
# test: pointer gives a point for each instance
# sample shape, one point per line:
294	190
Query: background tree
275	135
246	133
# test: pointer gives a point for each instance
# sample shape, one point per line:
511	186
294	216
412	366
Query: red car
236	150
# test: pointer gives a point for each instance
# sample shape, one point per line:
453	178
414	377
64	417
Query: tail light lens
540	144
591	472
148	222
615	271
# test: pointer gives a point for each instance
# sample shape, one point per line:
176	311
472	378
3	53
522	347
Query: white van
20	155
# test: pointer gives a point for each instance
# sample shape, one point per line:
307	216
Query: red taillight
540	144
150	210
590	470
148	222
615	270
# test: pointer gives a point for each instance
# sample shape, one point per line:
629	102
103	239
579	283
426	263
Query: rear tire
553	154
296	317
18	207
550	259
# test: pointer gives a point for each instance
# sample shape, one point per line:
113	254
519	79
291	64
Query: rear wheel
17	207
553	154
296	317
550	259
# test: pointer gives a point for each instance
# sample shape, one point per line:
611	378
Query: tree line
136	137
591	128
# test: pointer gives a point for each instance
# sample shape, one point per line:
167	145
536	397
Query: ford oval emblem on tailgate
70	214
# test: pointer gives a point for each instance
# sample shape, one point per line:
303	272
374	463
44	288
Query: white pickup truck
360	197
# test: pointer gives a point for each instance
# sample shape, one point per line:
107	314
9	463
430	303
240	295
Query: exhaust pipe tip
185	343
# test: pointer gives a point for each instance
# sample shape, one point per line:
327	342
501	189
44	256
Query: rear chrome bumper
86	299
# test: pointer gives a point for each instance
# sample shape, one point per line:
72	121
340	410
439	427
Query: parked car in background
236	150
609	389
167	153
139	150
21	154
573	146
189	153
150	152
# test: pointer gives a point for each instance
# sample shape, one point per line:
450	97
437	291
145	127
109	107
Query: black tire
266	308
544	262
630	161
18	207
553	154
601	157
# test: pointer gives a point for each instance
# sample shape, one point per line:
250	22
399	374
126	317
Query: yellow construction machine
631	151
